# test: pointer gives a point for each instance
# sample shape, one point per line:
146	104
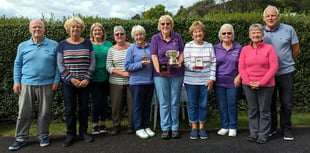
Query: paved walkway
125	143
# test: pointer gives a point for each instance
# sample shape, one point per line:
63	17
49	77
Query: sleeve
18	64
213	65
91	69
242	68
154	46
294	39
187	58
109	62
273	67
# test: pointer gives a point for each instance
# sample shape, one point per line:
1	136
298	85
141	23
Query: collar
278	26
43	42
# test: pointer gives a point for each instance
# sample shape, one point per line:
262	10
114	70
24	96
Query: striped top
199	76
116	60
76	60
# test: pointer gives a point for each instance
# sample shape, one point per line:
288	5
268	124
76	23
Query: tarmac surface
125	143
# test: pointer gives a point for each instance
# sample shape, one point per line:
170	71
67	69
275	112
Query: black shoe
175	134
261	140
165	135
87	137
252	138
288	135
103	129
68	141
96	129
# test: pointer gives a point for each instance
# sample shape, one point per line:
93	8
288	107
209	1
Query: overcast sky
124	9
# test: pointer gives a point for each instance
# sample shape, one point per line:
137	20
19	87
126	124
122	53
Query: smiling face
36	28
198	35
119	36
97	33
226	35
75	30
256	35
165	26
139	38
271	18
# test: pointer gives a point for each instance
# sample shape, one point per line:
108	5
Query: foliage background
15	30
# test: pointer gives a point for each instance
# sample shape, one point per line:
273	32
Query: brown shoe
130	130
114	131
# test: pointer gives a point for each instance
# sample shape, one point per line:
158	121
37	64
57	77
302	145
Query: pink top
258	64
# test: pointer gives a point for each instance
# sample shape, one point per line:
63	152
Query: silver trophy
172	54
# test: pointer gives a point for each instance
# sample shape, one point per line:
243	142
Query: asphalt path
129	143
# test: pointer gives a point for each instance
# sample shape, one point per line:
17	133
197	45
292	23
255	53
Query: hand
144	63
237	81
209	84
75	82
54	86
126	74
84	83
17	88
254	85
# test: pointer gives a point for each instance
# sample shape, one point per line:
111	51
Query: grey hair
256	26
226	26
269	7
118	28
137	29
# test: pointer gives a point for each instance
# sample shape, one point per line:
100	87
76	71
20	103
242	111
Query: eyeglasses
119	34
224	33
163	24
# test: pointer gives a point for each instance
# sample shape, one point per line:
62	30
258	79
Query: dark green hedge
12	35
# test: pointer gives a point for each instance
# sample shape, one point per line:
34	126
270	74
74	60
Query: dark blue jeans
142	99
76	96
284	87
99	94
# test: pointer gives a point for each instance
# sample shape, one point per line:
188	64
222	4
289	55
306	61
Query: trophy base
163	69
198	67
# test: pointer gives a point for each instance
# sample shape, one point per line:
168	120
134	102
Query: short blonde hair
165	17
137	29
196	25
93	26
74	21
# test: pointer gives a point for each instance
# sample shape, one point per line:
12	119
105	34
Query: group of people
132	73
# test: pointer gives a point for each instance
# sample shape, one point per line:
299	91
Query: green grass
213	123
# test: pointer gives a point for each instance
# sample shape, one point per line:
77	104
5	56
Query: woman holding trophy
138	62
200	67
167	56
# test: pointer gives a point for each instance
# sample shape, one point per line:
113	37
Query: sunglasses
165	24
119	34
224	33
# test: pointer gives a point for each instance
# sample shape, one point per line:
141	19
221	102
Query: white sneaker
232	132
222	131
149	132
142	134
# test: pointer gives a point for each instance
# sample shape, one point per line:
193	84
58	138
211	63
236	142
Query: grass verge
213	123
